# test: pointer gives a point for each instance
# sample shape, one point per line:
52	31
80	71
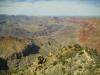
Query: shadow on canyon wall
3	64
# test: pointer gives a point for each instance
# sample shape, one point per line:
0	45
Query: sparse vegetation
73	60
47	45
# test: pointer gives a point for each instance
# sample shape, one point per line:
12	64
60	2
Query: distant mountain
83	30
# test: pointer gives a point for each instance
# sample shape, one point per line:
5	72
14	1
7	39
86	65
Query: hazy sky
50	7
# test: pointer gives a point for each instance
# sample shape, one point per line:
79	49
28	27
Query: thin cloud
50	8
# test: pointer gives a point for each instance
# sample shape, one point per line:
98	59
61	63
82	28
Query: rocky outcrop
71	60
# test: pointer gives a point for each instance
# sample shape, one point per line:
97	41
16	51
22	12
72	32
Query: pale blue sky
50	7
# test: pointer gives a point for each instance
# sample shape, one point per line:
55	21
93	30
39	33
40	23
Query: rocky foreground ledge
70	60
